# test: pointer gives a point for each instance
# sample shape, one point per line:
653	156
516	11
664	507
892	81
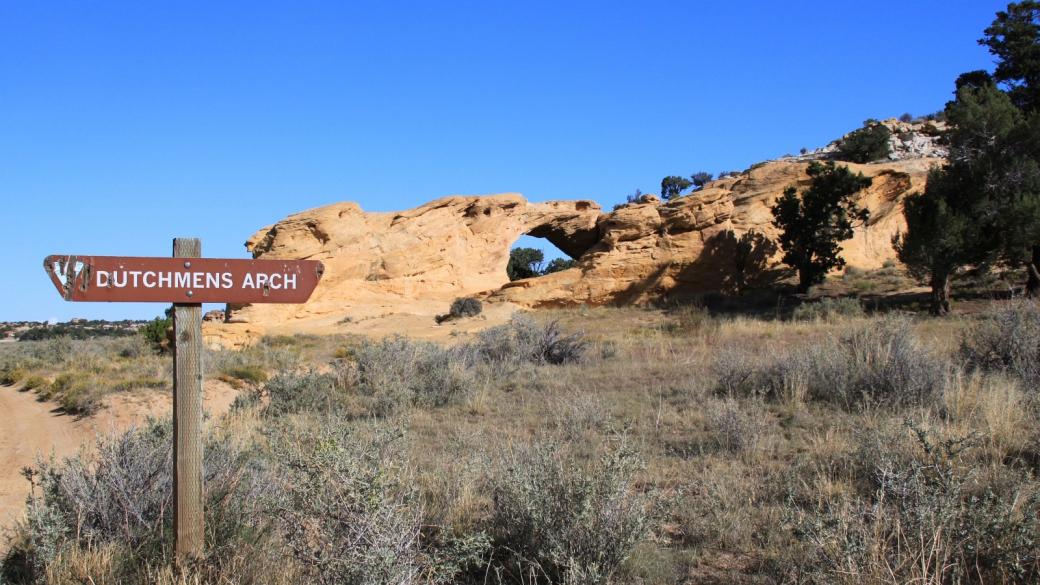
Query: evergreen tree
941	235
558	264
996	133
672	187
812	226
869	143
1013	39
524	263
701	179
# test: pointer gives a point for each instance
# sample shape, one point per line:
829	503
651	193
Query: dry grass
922	471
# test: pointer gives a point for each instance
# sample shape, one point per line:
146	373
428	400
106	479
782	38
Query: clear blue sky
124	125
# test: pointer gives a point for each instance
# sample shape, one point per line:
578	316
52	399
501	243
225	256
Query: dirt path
28	426
25	426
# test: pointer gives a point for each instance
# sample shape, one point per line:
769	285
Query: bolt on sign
187	281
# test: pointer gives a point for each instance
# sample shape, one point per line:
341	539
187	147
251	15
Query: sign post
187	280
187	416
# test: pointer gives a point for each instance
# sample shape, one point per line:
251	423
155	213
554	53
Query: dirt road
27	425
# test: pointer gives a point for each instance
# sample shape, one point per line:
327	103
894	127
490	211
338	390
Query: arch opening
533	256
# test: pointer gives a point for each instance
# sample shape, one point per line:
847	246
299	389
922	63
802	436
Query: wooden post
187	415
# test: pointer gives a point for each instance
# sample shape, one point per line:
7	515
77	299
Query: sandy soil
28	426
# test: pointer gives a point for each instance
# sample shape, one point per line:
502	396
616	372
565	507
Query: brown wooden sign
182	280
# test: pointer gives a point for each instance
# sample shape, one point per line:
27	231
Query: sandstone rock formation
652	250
414	263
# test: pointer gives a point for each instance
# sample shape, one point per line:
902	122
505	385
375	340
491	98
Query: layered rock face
652	250
417	261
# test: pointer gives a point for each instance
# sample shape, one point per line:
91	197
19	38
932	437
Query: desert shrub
55	352
906	118
299	391
35	382
465	307
268	354
133	383
248	373
279	340
693	320
523	340
926	520
828	309
867	144
879	362
562	522
119	494
733	428
1007	340
11	375
351	512
855	272
76	392
131	347
398	371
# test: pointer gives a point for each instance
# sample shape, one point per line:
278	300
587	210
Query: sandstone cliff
415	262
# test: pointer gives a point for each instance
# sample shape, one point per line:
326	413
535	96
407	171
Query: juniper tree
812	226
941	235
867	144
1014	38
998	134
701	179
672	187
524	263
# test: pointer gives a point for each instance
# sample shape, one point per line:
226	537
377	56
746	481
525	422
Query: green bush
248	373
10	376
155	331
35	382
465	307
869	143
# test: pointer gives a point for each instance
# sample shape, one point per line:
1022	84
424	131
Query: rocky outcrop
416	260
652	250
412	264
909	140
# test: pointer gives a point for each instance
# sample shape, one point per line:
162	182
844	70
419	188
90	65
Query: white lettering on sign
149	279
